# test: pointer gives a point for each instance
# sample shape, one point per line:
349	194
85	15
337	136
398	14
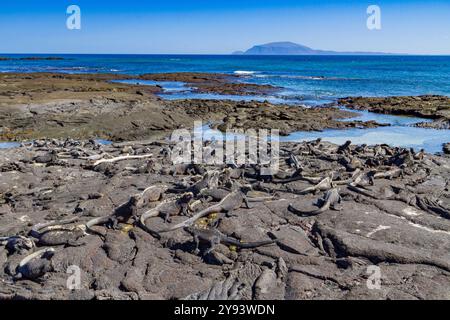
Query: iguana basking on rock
35	265
48	158
231	202
324	185
17	244
345	148
216	194
329	201
166	209
210	180
169	207
214	237
56	233
122	214
128	210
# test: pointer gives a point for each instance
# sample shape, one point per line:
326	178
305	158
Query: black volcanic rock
446	148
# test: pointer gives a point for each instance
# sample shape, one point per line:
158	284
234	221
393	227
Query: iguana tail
247	245
324	208
151	213
251	245
96	222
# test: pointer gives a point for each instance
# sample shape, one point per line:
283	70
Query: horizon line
237	55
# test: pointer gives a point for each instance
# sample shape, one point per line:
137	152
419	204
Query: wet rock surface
83	106
232	115
214	83
393	213
428	106
442	124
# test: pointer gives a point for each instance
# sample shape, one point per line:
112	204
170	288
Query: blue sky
216	26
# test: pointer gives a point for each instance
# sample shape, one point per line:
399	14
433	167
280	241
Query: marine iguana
312	144
214	237
345	148
122	214
209	180
295	162
183	168
233	172
216	194
152	194
365	192
419	155
351	163
324	156
170	207
55	233
362	149
390	174
47	158
232	201
229	174
324	185
329	201
346	180
166	209
35	265
219	194
128	210
363	179
17	244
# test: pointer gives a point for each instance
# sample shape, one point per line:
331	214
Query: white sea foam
244	72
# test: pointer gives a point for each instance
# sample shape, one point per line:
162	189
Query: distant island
290	48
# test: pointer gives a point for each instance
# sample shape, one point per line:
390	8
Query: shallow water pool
9	145
167	86
430	140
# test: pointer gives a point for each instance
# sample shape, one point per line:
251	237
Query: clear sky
219	26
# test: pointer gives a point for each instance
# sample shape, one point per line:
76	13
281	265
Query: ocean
306	80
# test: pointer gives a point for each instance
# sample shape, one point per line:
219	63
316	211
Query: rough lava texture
431	107
394	214
84	106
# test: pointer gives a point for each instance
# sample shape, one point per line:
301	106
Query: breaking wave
244	72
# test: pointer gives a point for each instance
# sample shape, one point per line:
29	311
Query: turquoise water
173	90
309	78
305	80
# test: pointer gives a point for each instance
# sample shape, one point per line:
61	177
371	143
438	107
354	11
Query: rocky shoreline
429	107
34	106
214	83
